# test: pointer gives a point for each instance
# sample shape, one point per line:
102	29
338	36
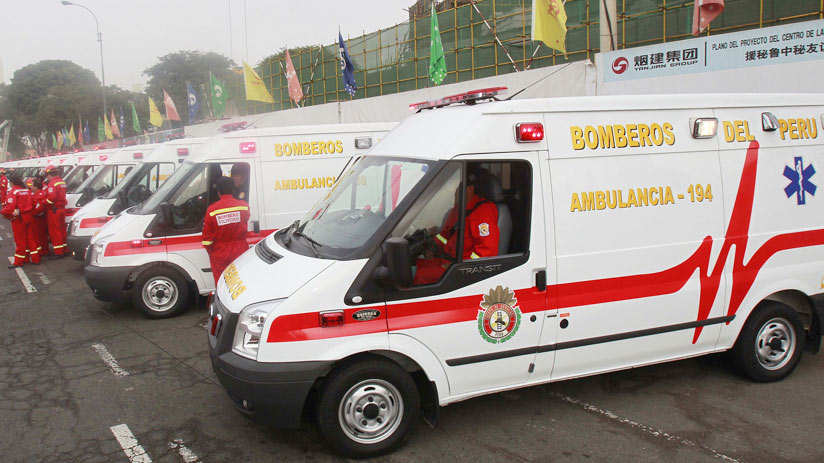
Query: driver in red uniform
481	235
225	227
56	211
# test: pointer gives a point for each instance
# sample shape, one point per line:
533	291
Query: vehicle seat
489	187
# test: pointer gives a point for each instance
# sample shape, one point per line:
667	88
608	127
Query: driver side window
191	201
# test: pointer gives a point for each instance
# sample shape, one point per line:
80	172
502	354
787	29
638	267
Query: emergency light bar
183	151
471	97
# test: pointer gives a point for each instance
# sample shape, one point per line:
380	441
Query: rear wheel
160	292
770	344
368	408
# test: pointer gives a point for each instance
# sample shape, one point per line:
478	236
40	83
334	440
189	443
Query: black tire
160	292
390	415
770	344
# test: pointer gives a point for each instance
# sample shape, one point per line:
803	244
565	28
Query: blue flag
87	138
122	123
65	138
347	68
194	103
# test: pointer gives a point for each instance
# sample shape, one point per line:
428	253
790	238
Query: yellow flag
549	23
154	114
72	138
107	128
255	88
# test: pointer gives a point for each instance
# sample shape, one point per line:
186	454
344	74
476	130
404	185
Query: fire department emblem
499	317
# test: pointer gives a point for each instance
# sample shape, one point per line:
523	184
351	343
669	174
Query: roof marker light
331	318
363	143
703	127
529	132
248	147
103	157
183	151
137	155
471	97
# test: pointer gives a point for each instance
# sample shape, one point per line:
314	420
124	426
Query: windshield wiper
314	244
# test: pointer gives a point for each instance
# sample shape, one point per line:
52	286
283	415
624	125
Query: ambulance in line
153	168
632	230
154	253
88	163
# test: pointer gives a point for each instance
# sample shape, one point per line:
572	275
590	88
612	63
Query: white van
155	252
153	168
633	230
88	163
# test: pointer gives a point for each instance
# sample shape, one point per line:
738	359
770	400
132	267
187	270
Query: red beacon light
183	151
529	132
471	97
331	318
138	155
248	147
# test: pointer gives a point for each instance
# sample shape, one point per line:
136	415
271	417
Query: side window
194	197
491	221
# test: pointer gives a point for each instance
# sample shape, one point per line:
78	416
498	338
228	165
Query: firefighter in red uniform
17	208
481	235
4	185
224	228
56	211
41	227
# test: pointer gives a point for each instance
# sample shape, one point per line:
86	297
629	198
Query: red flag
295	91
705	12
115	129
171	110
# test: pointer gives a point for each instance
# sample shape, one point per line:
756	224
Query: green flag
101	130
219	96
54	142
437	63
135	121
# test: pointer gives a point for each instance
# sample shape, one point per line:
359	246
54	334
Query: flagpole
495	36
312	75
208	105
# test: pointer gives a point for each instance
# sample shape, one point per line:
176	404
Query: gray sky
137	32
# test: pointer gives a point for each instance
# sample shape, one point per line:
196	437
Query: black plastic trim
586	342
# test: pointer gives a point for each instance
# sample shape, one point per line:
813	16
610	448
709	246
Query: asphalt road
82	380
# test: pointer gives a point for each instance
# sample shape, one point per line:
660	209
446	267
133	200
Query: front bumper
273	394
77	245
107	283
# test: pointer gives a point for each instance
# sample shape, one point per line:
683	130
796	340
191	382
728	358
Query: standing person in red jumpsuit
224	228
41	227
4	185
17	208
56	211
481	235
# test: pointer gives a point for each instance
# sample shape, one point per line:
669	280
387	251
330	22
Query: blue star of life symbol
800	183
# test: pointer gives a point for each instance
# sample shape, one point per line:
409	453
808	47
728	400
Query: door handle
540	280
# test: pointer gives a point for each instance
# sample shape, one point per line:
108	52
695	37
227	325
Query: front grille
266	254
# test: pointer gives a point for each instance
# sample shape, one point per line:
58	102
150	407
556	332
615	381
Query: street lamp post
100	40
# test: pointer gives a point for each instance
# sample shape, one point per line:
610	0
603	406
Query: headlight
74	226
97	249
250	328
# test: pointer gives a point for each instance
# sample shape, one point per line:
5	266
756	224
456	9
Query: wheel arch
135	274
805	308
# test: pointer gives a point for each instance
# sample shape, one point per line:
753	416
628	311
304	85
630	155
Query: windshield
366	195
167	188
140	183
76	177
103	181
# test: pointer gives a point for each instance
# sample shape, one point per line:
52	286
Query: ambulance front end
278	315
137	186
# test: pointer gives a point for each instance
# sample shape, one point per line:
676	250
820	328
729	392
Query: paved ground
80	380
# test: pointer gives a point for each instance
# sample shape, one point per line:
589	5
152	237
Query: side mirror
396	255
121	196
166	214
256	227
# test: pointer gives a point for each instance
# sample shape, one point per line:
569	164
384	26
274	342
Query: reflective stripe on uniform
33	252
441	238
207	243
228	209
19	256
48	201
474	256
59	183
61	246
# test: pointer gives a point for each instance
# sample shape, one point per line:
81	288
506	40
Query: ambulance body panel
290	168
153	167
644	229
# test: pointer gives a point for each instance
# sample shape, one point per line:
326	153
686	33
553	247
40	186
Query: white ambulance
88	163
154	252
631	230
153	168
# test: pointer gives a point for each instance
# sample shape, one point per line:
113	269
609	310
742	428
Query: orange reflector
529	132
333	318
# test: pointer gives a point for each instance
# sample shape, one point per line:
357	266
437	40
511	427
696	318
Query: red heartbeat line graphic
672	280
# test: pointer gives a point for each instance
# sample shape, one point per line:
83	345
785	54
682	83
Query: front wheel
368	408
160	292
770	344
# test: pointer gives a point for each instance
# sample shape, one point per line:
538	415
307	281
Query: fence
396	59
